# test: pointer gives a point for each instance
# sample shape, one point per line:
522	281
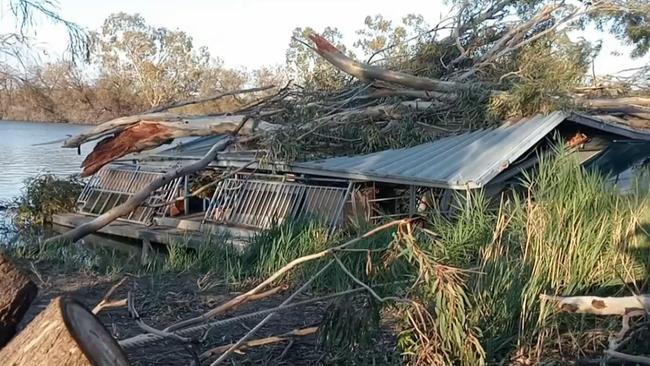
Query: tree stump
17	292
65	333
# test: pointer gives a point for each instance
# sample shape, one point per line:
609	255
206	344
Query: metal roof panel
468	160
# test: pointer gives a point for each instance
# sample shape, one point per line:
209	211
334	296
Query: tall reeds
569	232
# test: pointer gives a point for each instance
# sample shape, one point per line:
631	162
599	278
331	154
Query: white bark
626	305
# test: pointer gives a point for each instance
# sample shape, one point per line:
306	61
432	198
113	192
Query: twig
259	325
368	288
207	99
286	349
268	293
631	333
261	342
38	275
107	302
141	340
149	329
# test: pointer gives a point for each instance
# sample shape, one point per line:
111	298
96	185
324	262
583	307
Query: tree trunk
17	292
65	333
368	72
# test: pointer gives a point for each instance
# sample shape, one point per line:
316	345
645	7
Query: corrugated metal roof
465	161
638	129
193	147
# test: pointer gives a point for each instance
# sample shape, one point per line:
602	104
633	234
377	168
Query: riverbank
472	289
21	159
163	298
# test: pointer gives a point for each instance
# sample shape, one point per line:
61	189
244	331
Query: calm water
20	160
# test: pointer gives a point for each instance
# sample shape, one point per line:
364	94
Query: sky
252	33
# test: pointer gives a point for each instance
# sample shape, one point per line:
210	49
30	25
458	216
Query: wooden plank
194	224
158	234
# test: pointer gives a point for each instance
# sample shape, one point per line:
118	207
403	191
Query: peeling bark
145	135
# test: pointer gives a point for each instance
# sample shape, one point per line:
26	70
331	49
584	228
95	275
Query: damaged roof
192	148
466	161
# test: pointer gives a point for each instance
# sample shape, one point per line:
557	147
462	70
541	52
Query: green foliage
540	78
73	257
469	285
270	250
163	65
629	22
390	45
43	196
570	236
214	254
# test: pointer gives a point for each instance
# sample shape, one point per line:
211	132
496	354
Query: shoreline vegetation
479	276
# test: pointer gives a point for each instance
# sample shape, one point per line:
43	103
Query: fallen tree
624	306
137	199
146	133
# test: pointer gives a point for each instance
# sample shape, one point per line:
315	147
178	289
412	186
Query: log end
93	339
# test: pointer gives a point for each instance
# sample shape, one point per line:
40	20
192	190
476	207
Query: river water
19	159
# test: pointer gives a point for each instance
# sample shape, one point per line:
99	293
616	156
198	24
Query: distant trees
161	64
519	48
133	67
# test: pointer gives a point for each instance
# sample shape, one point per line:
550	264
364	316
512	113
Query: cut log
17	292
65	333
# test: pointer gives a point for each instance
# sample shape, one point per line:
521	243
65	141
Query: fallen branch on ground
640	360
259	325
107	302
260	342
289	266
626	305
141	340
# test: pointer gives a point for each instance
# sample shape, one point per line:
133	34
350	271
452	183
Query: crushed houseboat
248	193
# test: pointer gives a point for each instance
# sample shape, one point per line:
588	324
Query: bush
42	197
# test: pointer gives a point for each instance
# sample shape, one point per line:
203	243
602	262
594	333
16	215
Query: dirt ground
164	298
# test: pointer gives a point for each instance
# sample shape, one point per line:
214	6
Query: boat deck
187	231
